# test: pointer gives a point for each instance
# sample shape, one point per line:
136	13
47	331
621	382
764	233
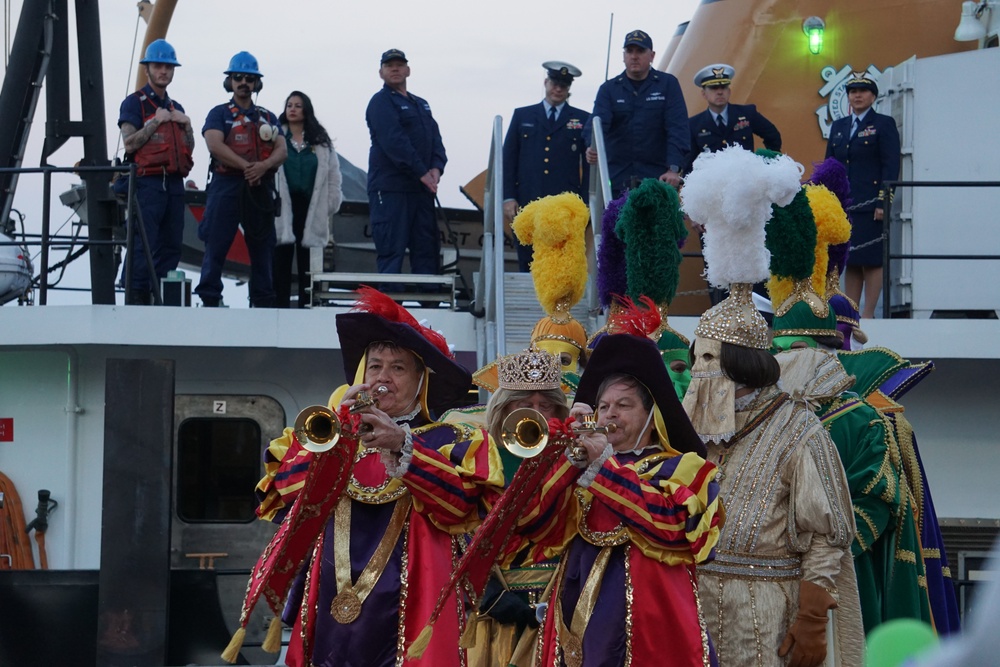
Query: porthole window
218	466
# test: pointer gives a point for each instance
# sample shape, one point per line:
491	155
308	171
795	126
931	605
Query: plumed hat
730	193
554	226
805	311
375	318
833	174
638	356
651	226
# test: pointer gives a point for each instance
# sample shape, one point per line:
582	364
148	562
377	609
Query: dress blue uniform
871	158
743	121
230	203
543	157
161	203
645	126
406	144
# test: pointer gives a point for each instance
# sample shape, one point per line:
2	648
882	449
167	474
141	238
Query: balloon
895	642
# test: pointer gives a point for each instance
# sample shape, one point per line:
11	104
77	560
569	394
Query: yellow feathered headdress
554	226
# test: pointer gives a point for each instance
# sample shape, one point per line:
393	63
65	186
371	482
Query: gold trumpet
317	428
525	431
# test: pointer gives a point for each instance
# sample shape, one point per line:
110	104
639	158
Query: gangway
507	301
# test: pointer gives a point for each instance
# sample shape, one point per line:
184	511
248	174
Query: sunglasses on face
249	78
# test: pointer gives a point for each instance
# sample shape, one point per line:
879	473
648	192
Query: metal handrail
489	281
887	257
598	198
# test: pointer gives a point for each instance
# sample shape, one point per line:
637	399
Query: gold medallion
572	650
346	607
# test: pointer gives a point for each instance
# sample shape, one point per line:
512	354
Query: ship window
218	466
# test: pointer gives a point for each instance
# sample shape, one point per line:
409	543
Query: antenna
607	62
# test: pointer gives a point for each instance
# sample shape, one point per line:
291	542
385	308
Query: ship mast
157	17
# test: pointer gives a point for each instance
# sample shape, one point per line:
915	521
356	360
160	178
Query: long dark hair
313	132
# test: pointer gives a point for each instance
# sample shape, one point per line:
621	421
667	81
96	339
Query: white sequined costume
788	517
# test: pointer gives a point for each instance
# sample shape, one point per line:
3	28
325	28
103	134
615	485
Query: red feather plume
635	320
370	300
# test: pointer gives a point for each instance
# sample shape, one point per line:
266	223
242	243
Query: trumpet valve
365	399
361	401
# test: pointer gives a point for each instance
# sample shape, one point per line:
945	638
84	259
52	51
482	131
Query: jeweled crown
529	370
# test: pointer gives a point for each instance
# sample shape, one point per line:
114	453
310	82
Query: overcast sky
472	61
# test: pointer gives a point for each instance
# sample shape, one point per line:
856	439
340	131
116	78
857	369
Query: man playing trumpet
384	555
629	513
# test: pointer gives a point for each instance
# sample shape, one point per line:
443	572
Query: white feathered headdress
730	193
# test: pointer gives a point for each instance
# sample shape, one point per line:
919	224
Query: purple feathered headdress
611	277
832	173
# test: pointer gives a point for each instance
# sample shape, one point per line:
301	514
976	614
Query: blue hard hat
160	51
243	63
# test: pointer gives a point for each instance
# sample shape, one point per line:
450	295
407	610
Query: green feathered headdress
651	226
799	237
790	236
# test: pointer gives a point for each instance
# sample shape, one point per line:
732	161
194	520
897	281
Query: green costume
887	556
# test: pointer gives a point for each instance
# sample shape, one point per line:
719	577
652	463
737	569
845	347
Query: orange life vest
166	151
244	140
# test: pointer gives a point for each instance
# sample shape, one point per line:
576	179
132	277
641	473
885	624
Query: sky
471	61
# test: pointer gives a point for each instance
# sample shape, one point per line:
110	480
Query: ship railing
887	223
46	241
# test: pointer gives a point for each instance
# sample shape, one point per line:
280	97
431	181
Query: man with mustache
247	147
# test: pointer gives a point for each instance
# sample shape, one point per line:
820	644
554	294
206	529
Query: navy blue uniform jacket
871	157
406	142
645	129
541	158
743	121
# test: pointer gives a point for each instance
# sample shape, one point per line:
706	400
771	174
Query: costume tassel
272	641
232	652
468	639
421	643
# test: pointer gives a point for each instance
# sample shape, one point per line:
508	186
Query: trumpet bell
525	432
317	428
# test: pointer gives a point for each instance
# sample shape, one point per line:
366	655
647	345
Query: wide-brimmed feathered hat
639	357
376	318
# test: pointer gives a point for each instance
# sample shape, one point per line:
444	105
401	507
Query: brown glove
806	639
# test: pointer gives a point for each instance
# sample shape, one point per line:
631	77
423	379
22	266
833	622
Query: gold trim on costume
346	605
571	639
610	538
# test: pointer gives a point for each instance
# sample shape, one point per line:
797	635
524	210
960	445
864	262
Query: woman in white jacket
309	184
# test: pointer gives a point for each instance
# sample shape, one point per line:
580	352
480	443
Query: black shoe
211	301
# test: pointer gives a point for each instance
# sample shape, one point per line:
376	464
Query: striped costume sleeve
672	509
550	516
455	474
285	467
